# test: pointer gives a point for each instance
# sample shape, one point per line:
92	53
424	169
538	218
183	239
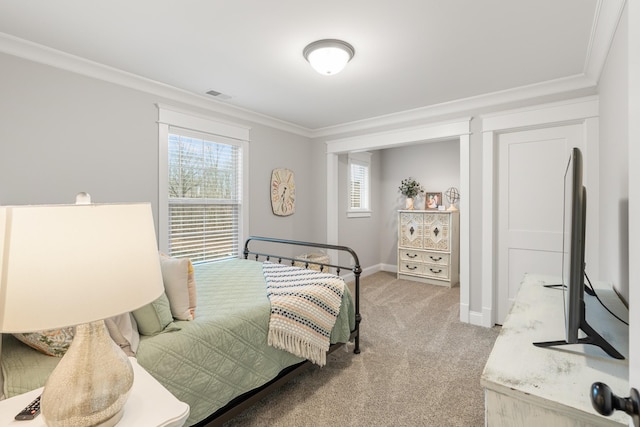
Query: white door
530	206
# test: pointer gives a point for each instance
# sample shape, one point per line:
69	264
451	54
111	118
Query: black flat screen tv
573	262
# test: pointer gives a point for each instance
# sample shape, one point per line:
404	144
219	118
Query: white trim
568	111
163	196
38	53
390	268
488	235
603	29
181	118
243	225
566	85
400	137
465	230
581	110
332	199
459	129
362	159
605	23
358	214
464	311
477	319
171	116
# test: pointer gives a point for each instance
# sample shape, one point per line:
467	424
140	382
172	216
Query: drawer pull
412	267
412	255
434	258
435	272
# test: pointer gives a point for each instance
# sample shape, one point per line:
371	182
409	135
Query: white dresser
531	386
428	246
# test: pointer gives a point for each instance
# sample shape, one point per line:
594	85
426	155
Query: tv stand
526	385
592	338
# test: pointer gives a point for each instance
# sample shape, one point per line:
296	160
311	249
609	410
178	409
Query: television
573	262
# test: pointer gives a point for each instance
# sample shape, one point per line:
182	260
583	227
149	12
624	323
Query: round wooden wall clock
283	192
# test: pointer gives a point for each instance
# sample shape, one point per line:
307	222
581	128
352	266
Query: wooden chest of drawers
428	246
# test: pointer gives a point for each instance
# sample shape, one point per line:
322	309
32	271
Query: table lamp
76	265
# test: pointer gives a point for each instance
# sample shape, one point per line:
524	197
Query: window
201	190
359	179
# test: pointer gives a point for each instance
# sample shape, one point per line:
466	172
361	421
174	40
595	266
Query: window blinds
359	183
204	197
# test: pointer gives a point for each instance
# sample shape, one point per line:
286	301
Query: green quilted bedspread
221	354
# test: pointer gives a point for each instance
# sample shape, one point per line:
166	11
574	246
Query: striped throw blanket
304	308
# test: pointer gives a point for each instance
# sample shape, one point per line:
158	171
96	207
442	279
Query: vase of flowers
410	188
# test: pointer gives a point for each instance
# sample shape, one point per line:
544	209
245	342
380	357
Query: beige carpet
419	366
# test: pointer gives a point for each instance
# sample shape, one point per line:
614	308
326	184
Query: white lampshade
329	56
75	265
62	265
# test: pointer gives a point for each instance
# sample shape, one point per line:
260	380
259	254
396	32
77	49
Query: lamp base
113	420
91	383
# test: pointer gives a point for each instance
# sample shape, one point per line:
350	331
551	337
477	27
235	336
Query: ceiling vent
218	95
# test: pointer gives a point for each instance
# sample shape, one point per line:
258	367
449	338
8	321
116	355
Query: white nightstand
149	404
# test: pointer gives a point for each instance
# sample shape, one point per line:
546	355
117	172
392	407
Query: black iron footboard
355	268
240	403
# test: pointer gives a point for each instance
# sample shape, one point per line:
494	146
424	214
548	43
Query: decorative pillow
54	342
155	317
175	275
124	331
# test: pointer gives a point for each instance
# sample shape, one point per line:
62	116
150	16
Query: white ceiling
410	54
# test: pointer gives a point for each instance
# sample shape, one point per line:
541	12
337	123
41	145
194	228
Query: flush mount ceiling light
328	56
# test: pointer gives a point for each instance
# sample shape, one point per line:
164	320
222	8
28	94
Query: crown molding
606	19
605	23
570	84
55	58
438	131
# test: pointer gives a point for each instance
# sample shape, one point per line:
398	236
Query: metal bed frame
246	400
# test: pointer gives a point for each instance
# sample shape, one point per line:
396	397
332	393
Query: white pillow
124	332
175	273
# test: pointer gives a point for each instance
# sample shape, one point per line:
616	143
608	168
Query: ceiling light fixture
328	56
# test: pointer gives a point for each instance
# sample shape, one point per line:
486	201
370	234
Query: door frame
460	130
584	111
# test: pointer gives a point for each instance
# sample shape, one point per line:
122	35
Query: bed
220	362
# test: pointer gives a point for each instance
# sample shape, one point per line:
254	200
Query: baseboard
365	272
476	318
391	268
464	313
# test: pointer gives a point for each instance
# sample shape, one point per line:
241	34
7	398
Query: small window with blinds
204	197
359	183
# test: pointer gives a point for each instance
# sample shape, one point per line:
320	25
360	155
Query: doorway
458	130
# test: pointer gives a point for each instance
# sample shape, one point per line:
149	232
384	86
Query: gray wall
614	170
352	230
435	165
62	133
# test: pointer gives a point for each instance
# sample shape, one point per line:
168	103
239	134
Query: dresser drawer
412	255
436	271
436	258
411	267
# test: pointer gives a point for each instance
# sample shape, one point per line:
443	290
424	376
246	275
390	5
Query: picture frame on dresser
432	201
